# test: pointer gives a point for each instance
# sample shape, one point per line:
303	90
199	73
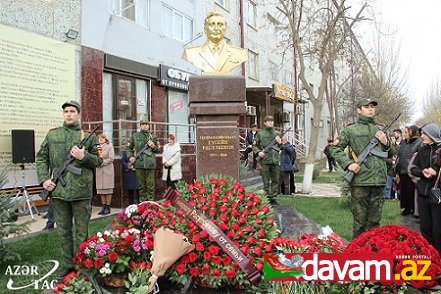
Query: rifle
369	149
146	149
272	144
66	166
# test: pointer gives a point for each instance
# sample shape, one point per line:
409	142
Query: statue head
215	27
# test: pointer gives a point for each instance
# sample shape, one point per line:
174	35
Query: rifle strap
221	239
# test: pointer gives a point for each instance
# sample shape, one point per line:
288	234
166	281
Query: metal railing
120	131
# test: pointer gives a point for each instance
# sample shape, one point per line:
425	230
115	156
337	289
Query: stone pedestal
217	102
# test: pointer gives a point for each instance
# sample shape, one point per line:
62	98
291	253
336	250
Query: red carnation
113	256
205	269
98	263
199	246
265	208
213	249
88	263
192	256
216	260
194	271
216	273
180	269
207	255
230	274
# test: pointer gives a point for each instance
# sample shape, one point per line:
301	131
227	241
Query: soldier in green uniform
71	202
146	164
367	187
270	159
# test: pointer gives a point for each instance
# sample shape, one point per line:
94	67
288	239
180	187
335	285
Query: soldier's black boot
103	209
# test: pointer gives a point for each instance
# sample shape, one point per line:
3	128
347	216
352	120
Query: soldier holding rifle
72	191
269	158
367	178
141	151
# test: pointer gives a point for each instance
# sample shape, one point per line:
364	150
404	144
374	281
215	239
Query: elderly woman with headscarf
407	148
171	161
425	167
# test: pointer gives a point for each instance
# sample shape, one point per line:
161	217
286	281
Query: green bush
8	214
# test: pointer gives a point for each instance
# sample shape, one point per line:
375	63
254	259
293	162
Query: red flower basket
399	241
246	218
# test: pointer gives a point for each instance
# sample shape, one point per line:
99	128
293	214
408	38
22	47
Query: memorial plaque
217	150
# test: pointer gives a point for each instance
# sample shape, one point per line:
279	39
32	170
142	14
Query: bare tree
318	31
431	112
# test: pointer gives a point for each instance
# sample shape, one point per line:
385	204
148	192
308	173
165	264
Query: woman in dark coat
129	179
407	148
425	168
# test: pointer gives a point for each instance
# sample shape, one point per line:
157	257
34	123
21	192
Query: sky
417	27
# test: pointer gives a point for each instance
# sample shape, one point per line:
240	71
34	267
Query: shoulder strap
437	179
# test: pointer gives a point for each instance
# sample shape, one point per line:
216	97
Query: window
136	10
176	25
250	10
274	71
252	65
224	3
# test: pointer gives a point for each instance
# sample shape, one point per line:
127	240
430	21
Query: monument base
217	103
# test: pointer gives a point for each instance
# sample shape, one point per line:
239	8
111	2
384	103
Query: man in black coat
249	141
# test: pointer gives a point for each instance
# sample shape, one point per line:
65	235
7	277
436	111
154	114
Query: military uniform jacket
357	137
54	151
263	139
137	142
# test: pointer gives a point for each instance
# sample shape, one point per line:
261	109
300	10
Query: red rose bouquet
403	243
246	218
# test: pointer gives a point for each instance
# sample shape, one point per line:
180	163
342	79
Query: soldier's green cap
144	120
366	101
267	118
73	103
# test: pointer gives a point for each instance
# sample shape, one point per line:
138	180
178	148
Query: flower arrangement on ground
402	243
115	252
326	242
246	218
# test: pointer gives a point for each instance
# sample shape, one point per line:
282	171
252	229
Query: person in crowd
398	134
331	160
367	186
105	174
408	147
287	157
72	201
130	180
171	162
146	164
426	167
269	158
389	192
251	134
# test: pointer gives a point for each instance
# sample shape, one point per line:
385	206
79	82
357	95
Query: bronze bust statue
215	57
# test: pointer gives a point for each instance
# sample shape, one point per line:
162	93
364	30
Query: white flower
105	270
131	209
87	251
101	240
107	232
99	234
325	232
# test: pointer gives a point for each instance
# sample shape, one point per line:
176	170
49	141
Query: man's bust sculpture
215	57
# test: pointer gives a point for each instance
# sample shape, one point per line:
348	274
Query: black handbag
435	192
